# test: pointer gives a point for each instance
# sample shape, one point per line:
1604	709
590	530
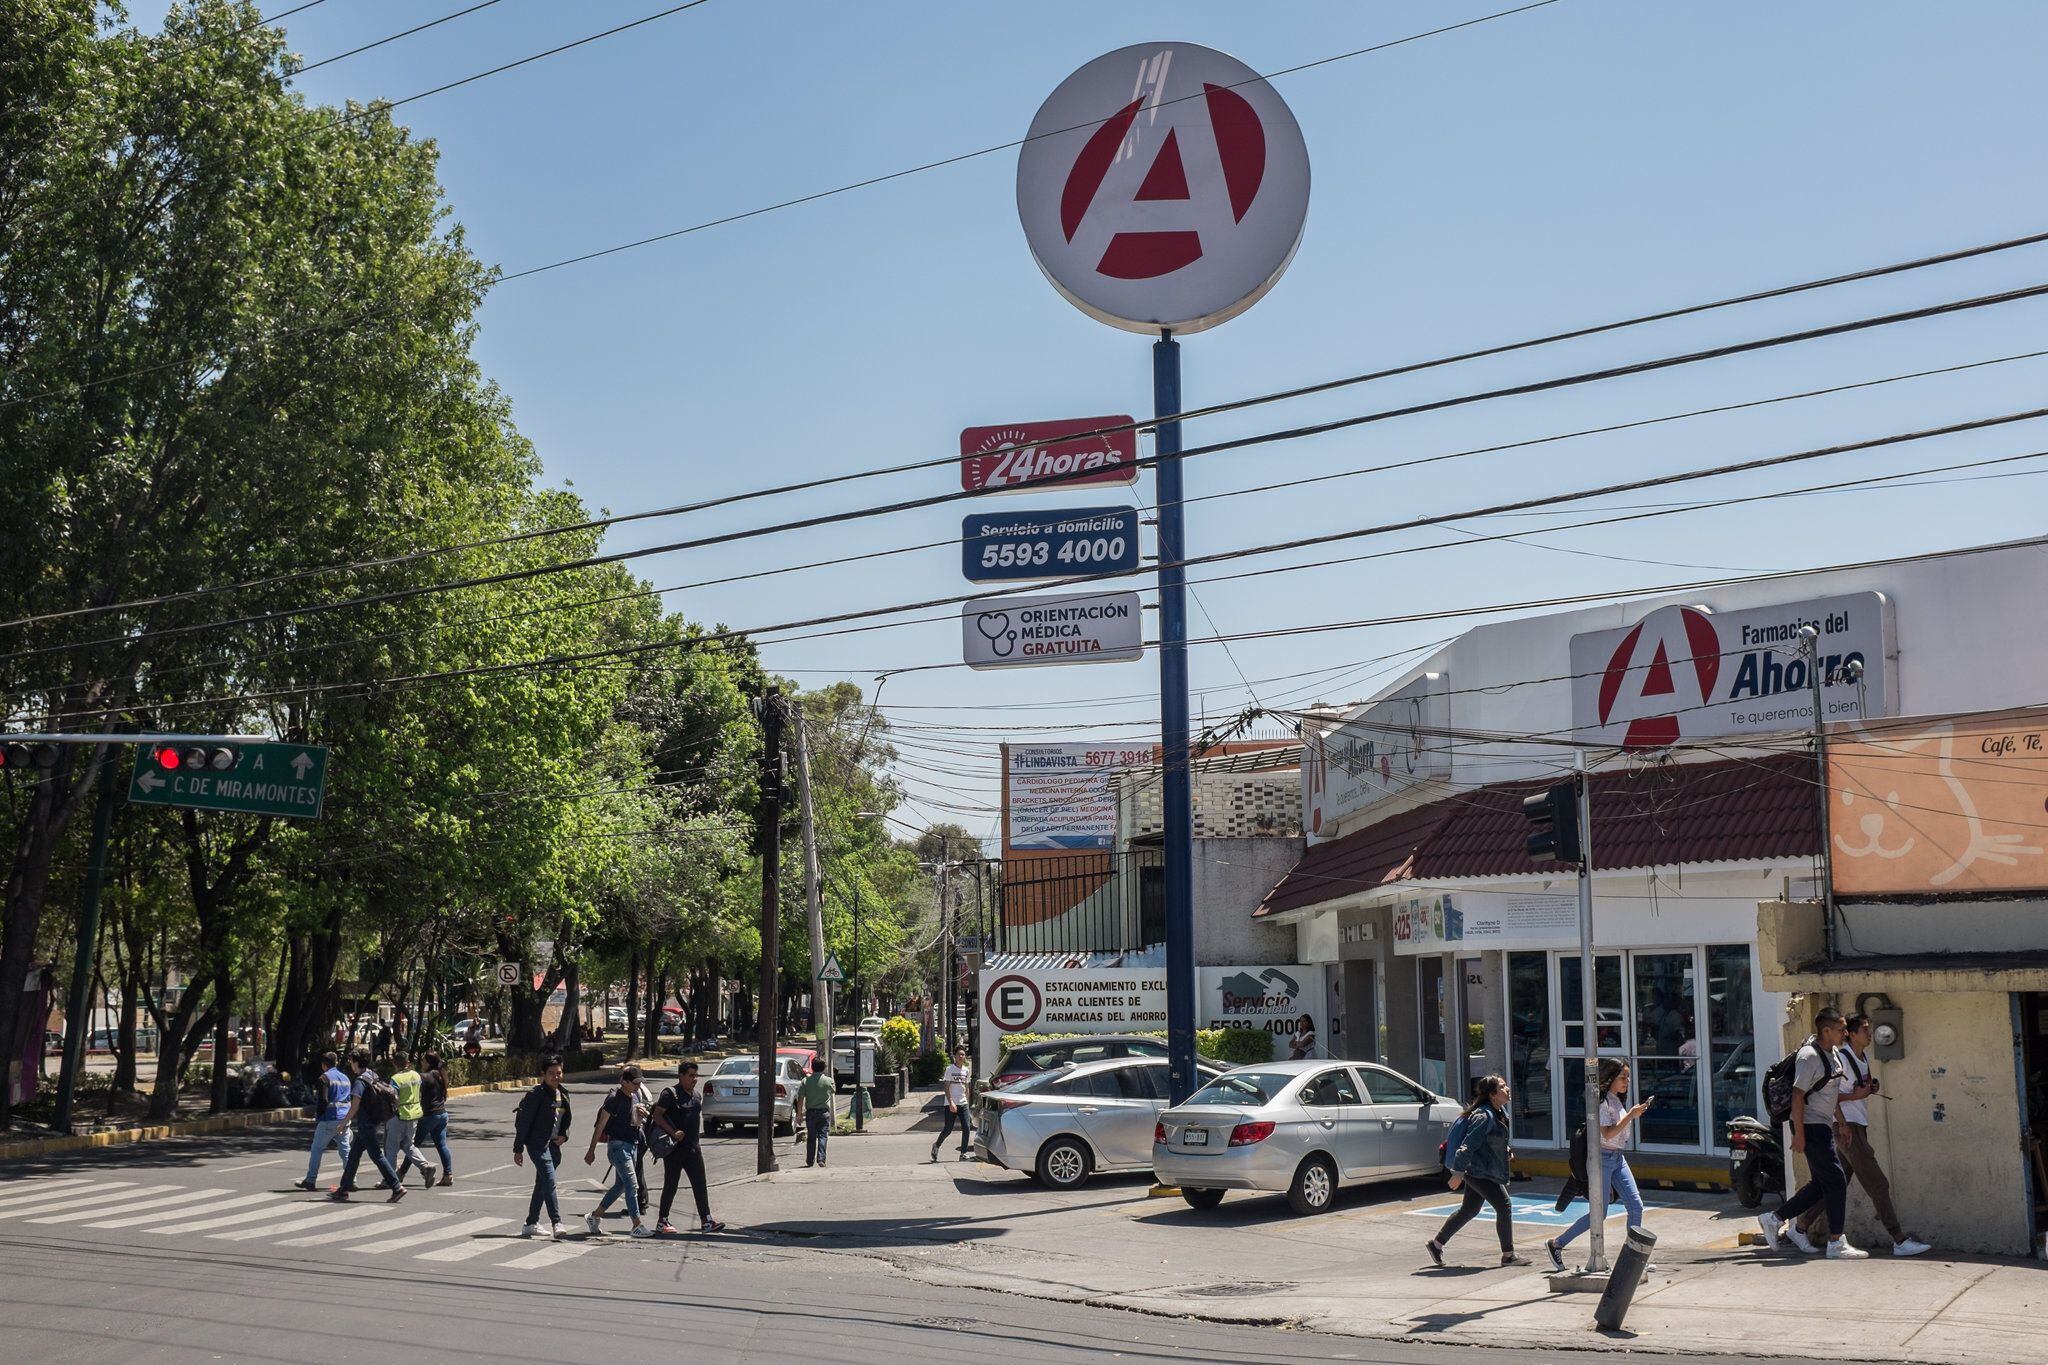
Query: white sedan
732	1094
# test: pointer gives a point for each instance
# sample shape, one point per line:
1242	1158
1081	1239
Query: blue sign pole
1177	789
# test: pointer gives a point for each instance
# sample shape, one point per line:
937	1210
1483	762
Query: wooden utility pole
814	910
771	705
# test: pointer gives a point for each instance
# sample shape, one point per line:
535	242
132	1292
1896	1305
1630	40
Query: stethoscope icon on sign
995	628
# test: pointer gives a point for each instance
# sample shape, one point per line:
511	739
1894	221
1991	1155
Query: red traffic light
168	759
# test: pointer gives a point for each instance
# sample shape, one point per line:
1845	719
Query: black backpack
1778	1080
380	1101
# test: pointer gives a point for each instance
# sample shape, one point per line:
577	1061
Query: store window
1529	1044
1666	1061
1731	1037
1434	1001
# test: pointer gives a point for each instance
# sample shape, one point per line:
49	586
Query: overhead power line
1216	409
913	504
388	38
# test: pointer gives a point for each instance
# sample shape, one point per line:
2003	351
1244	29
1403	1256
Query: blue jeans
324	1132
1621	1185
817	1131
542	1155
369	1137
433	1132
620	1154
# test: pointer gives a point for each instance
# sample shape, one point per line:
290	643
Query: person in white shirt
1816	1089
1852	1138
959	1077
1616	1118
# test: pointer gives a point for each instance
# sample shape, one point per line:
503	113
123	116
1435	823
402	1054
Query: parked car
1060	1127
615	1017
801	1056
1032	1058
1303	1129
731	1094
873	1024
464	1027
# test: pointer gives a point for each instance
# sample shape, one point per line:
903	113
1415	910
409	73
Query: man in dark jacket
537	1132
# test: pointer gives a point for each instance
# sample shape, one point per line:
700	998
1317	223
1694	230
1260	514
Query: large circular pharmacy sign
1163	188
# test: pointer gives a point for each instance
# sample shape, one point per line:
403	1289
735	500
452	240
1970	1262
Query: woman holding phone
1620	1182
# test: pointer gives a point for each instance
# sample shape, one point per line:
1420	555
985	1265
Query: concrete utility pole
1809	645
771	938
1596	1175
821	990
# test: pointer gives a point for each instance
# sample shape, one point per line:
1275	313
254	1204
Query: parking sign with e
508	973
1012	1003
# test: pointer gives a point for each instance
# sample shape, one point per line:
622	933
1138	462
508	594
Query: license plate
1196	1137
742	1091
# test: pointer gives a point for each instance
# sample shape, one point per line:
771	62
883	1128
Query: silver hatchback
1303	1129
1062	1126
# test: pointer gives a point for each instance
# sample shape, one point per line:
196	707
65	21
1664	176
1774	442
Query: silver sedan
1062	1126
1303	1129
732	1094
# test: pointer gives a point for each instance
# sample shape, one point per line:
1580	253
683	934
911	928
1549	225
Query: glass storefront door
1433	1001
1610	1021
1666	1048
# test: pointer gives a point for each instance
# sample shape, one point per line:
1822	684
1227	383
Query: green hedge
1231	1046
900	1042
927	1070
514	1066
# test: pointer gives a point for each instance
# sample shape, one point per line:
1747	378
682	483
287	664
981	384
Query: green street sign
262	779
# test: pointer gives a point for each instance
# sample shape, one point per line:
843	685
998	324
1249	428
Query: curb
32	1148
1649	1175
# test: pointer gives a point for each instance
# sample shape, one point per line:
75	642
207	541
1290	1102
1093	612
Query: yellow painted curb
1646	1173
156	1132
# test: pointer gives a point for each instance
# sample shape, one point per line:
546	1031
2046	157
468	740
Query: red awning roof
1739	810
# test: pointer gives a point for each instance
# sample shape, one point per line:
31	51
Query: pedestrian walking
372	1104
643	1105
432	1128
1816	1072
1302	1043
675	1125
1480	1166
538	1131
618	1127
1852	1138
332	1126
959	1077
1618	1181
399	1133
815	1095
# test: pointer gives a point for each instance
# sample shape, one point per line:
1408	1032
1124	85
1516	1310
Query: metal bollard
1623	1279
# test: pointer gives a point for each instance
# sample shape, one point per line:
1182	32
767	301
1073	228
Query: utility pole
814	911
946	968
1596	1173
771	938
1809	645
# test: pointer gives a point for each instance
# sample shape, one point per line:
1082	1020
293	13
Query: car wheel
1202	1199
1314	1187
711	1128
1064	1164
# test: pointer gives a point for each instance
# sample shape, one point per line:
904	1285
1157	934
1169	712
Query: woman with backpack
1616	1118
1479	1163
618	1127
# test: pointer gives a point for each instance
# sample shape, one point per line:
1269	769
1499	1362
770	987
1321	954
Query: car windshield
738	1066
1246	1089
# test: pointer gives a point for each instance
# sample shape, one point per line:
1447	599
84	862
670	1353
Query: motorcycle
1756	1160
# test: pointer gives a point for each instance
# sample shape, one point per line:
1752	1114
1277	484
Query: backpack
380	1102
1778	1080
1453	1140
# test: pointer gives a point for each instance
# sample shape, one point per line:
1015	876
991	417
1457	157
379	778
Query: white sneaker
561	1233
641	1230
1840	1250
1768	1224
1802	1241
596	1228
530	1230
1912	1246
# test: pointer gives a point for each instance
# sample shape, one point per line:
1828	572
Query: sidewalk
1361	1270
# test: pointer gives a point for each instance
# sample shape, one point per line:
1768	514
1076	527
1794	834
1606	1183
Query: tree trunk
633	1004
657	1005
49	808
223	1031
571	1031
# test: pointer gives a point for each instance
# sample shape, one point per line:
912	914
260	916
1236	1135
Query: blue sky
1587	161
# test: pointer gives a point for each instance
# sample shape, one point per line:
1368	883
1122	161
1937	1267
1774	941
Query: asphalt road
200	1249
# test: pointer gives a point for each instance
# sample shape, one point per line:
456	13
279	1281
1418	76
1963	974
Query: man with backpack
1815	1072
1852	1139
372	1105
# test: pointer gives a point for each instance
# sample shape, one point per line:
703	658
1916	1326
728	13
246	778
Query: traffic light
16	757
194	757
1553	816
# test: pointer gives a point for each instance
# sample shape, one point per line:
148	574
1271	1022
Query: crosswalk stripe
340	1213
432	1235
136	1206
172	1215
273	1208
462	1251
410	1220
67	1199
554	1254
13	1192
